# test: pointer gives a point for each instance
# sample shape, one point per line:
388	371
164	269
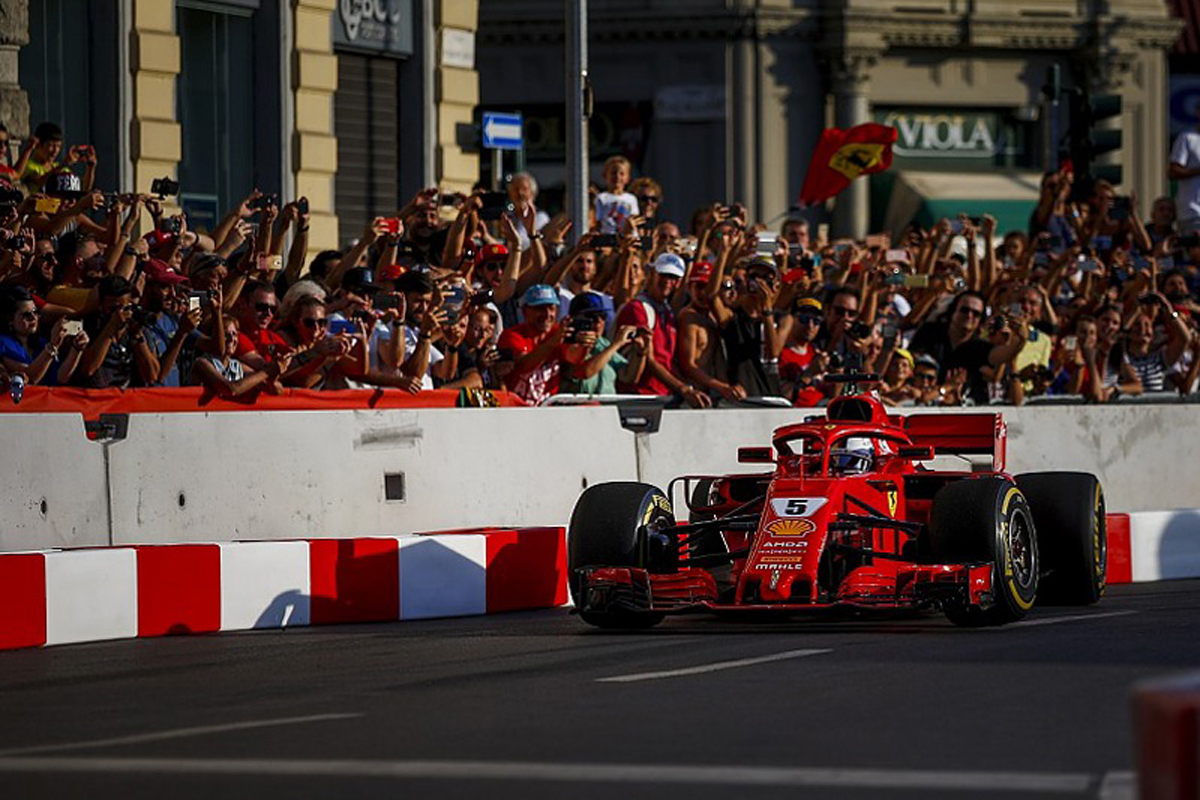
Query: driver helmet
855	456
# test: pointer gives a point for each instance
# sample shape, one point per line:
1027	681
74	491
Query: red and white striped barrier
63	596
1153	546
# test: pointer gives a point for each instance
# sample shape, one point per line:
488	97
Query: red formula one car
848	518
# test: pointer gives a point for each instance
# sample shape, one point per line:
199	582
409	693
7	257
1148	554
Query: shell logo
790	527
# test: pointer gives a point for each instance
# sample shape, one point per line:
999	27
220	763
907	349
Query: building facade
346	102
358	103
725	99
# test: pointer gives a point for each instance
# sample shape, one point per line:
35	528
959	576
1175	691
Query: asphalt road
538	705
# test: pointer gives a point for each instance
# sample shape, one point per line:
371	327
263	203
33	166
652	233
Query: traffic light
1085	142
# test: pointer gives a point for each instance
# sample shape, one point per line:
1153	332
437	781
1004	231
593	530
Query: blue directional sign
502	131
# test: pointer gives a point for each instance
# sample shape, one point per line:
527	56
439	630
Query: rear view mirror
756	455
916	453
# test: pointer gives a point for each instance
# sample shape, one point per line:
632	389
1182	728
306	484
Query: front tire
604	533
988	520
1069	511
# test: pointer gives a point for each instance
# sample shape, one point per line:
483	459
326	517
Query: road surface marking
1073	618
717	667
1118	786
882	779
178	733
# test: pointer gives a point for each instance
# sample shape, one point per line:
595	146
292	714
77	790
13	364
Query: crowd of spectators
1093	300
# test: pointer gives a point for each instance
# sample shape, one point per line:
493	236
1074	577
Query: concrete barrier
1166	715
287	475
55	491
60	597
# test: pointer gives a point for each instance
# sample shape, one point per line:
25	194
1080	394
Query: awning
927	197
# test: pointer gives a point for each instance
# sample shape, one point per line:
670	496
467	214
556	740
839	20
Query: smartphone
1088	265
765	246
72	327
302	205
386	302
1014	310
1189	240
339	326
1147	299
449	199
270	263
794	275
493	205
878	240
261	202
956	226
899	255
646	243
1101	243
916	281
896	279
1119	210
47	205
1070	342
604	240
392	225
823	232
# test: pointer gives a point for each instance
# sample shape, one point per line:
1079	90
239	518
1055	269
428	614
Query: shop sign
944	134
384	27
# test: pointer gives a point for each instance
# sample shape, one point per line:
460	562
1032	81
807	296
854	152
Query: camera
386	302
481	298
262	202
1119	210
10	197
171	225
604	240
164	187
18	243
493	205
859	330
143	317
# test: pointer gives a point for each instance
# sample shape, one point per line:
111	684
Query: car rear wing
959	434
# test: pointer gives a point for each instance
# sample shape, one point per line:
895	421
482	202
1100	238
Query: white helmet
855	456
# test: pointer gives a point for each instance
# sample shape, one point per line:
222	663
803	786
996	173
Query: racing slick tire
604	533
1069	513
988	520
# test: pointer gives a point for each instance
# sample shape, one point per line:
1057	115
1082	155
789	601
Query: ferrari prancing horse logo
893	499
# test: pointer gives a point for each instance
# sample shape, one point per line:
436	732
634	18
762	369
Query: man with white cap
651	310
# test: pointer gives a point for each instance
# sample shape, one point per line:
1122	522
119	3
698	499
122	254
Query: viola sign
379	26
944	135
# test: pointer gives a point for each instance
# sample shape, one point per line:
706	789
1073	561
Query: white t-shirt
411	336
613	209
1186	153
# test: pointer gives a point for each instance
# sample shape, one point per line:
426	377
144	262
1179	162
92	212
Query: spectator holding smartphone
649	197
119	355
256	309
43	362
224	374
536	346
1150	362
595	363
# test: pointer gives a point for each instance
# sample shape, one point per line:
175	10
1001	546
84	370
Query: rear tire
1069	511
988	520
604	533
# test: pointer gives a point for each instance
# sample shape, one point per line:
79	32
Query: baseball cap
926	360
491	252
540	294
64	184
157	271
670	264
415	281
206	262
907	356
763	263
586	303
807	305
701	272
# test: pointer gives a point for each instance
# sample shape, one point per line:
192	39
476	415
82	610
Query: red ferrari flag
841	156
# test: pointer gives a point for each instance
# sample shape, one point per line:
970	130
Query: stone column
851	81
156	136
314	142
14	34
457	92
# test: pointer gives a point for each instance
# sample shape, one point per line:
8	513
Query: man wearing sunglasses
954	342
257	310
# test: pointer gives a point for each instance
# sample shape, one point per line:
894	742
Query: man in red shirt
651	310
256	310
535	346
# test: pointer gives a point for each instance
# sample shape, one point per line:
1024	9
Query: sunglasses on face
842	311
493	266
729	286
970	312
266	308
809	319
29	315
648	198
924	377
312	323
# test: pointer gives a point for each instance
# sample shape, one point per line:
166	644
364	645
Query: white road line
1029	623
1118	786
717	667
882	779
178	733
